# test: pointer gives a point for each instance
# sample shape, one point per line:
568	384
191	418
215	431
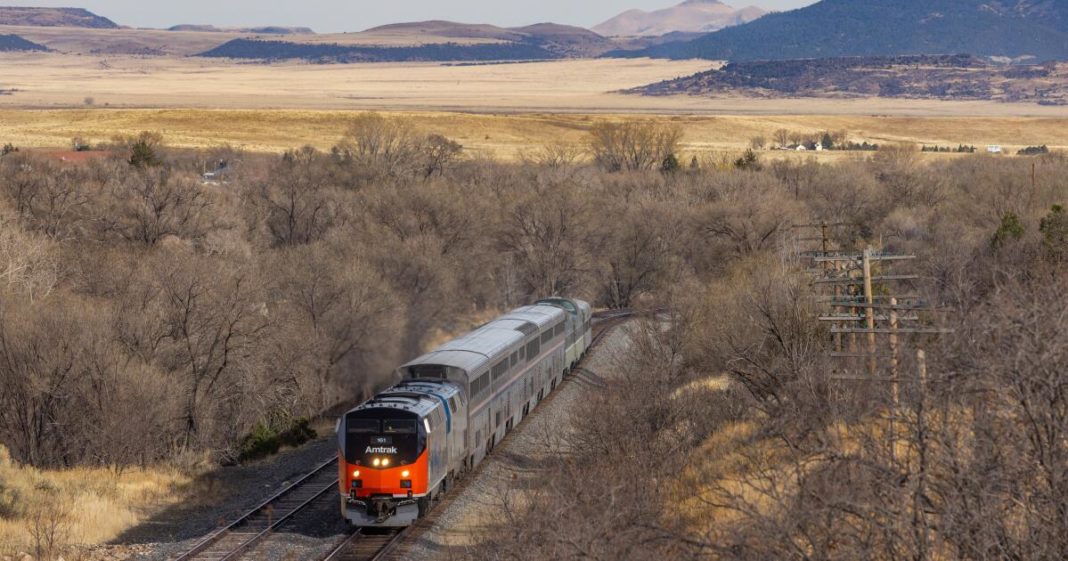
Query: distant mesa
14	43
280	30
947	77
268	30
1014	29
54	17
441	28
691	16
428	41
563	39
263	50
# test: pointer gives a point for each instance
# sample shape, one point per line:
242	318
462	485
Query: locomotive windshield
383	433
399	426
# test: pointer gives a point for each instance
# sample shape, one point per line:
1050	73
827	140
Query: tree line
146	313
729	432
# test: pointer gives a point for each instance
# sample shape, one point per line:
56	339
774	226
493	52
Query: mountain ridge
1015	29
53	17
10	43
688	16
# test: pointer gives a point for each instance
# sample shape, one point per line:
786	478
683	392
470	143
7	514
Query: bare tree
546	236
782	137
153	204
297	205
28	266
390	144
633	146
439	153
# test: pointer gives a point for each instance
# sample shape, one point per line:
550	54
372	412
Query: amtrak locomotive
407	445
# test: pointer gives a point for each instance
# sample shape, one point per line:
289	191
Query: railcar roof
489	340
475	350
541	315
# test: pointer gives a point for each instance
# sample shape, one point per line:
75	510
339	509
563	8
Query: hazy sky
355	15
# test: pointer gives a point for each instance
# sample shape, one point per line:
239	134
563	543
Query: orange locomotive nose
387	478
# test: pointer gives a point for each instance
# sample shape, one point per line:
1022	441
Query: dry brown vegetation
796	459
147	315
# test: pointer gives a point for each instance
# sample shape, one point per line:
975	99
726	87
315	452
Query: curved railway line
236	539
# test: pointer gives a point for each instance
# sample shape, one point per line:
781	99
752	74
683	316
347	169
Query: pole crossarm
839	257
887	330
847	304
859	301
883	278
862	318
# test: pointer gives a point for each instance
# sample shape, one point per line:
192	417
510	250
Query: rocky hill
268	30
53	17
1014	29
277	30
9	43
428	41
254	49
691	16
956	77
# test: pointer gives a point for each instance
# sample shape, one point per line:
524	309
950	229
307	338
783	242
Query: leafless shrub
393	147
633	146
154	204
28	266
554	155
48	527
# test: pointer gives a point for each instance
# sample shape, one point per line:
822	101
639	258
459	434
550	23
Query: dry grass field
496	110
506	136
90	505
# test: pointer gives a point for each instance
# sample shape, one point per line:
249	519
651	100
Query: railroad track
233	541
364	546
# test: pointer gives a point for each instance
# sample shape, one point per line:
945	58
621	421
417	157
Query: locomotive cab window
559	329
547	336
363	426
399	426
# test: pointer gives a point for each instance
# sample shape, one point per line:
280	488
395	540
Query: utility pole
869	312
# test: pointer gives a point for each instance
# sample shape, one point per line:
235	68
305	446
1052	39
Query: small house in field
994	149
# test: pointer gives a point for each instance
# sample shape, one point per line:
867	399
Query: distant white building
994	149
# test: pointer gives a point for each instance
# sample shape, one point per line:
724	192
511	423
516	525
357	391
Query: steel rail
220	534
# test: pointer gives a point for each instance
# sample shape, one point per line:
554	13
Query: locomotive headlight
385	462
377	462
405	474
356	473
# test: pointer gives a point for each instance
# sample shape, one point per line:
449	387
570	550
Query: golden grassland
498	110
507	136
50	80
94	504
